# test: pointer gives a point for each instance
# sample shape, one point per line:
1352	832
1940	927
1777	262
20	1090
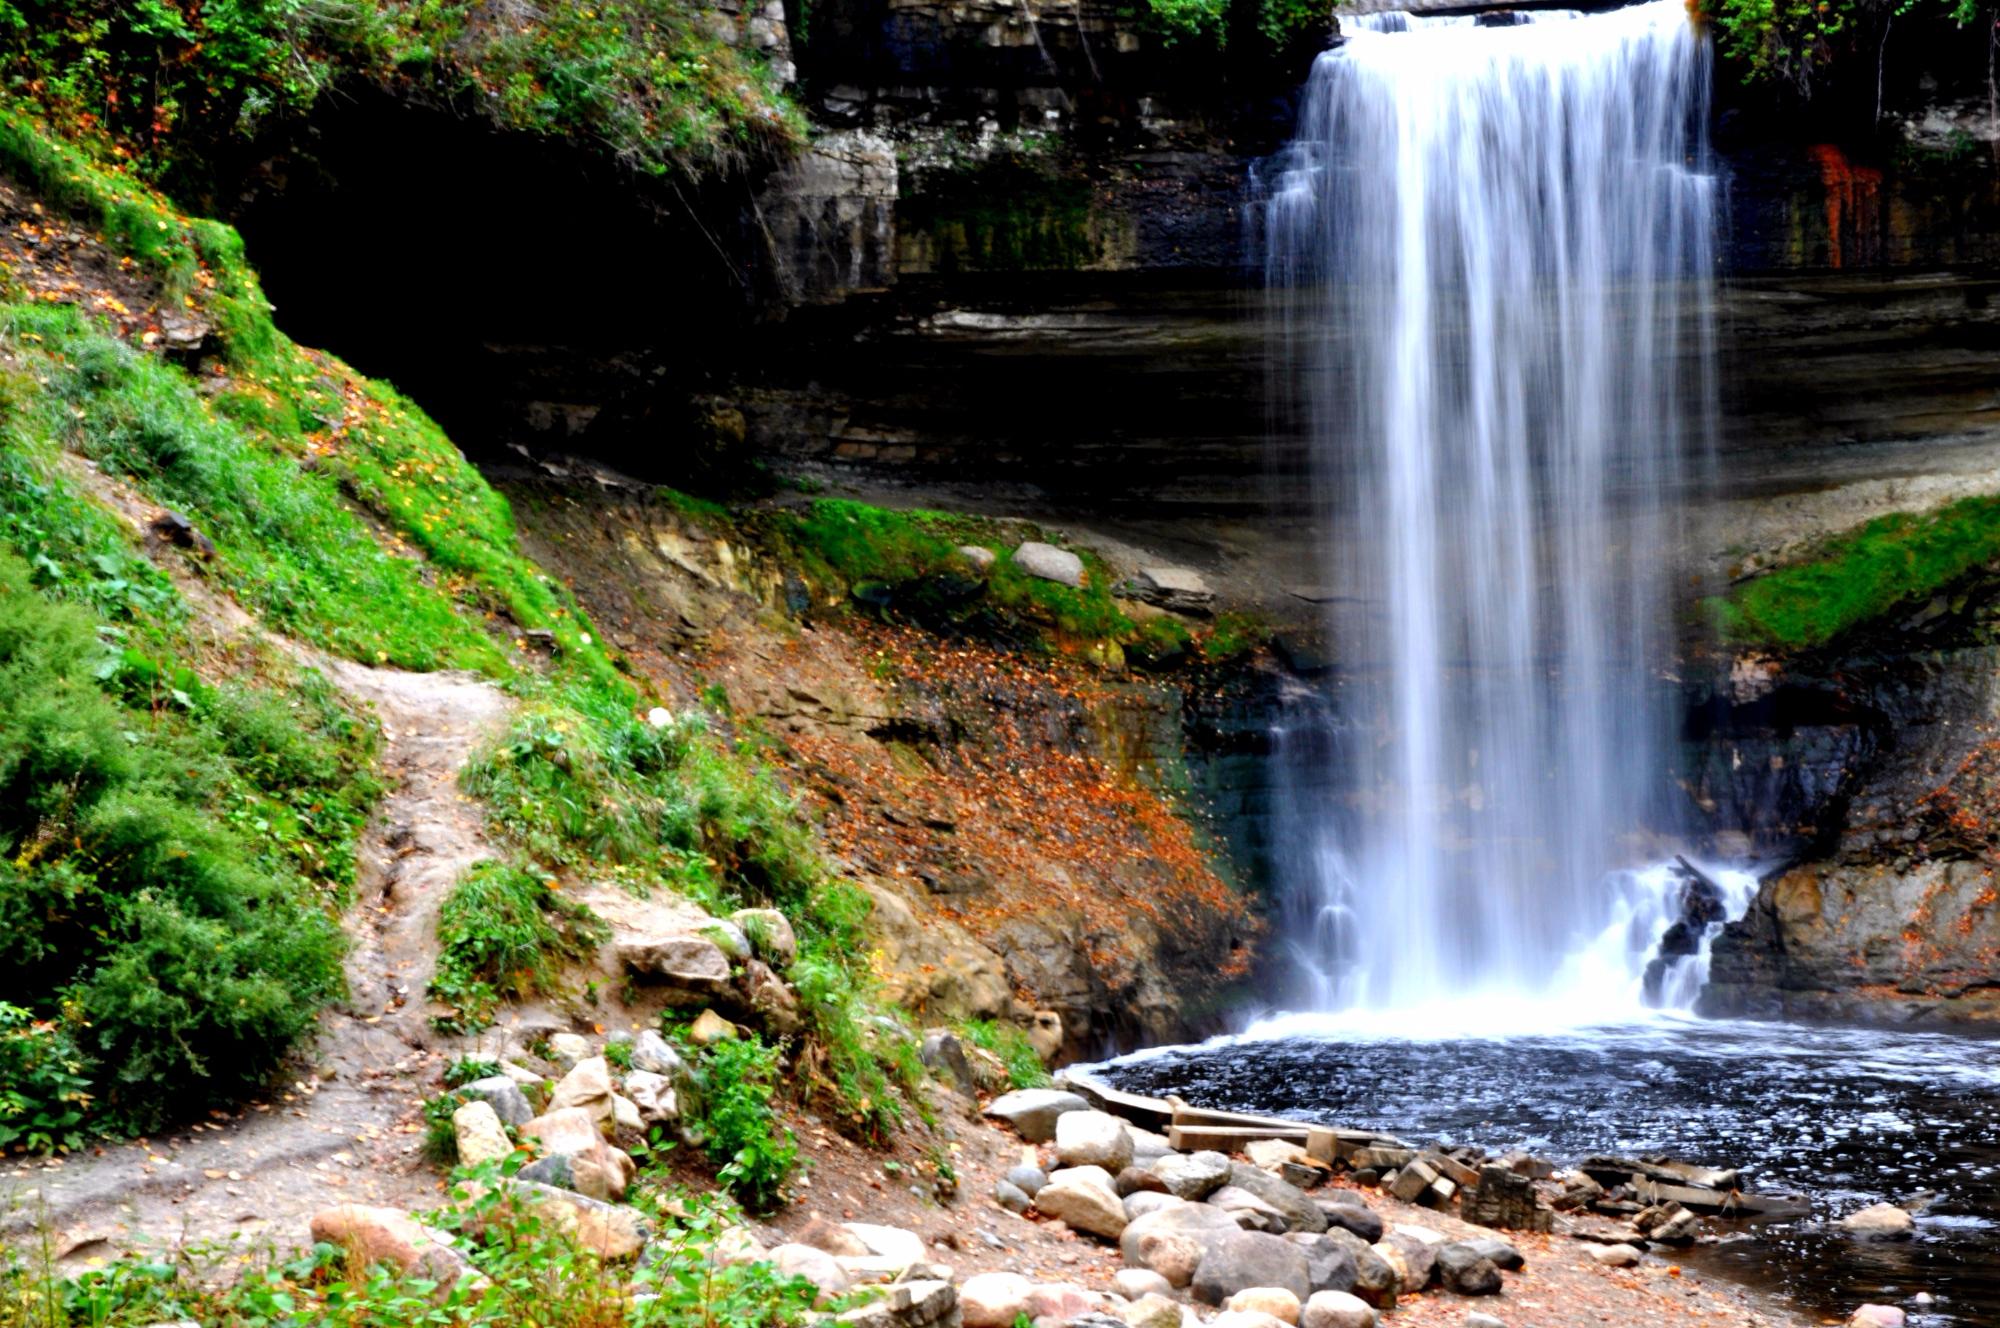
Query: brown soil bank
1021	820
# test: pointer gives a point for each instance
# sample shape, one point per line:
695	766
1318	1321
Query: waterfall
1490	248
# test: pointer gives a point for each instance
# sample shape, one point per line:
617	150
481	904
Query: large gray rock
1178	588
1033	1111
1049	563
693	969
1142	1202
654	1097
1464	1271
481	1136
1193	1177
1419	1257
1301	1213
1353	1216
1503	1253
1029	1179
1093	1139
1246	1259
1011	1196
1250	1212
1172	1241
502	1094
1084	1198
944	1055
994	1300
655	1055
1329	1264
1375	1279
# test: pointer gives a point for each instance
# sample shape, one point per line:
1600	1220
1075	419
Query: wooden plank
1151	1112
1187	1115
1228	1138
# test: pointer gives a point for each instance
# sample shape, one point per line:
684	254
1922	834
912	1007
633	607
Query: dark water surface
1844	1117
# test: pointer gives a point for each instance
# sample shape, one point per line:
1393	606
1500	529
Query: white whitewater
1493	249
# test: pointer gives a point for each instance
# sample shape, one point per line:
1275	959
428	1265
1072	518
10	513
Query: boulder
1147	1147
1192	1177
1179	589
770	935
1132	1283
1250	1212
1084	1198
1464	1271
1277	1302
1136	1180
1049	563
566	1049
1011	1196
1355	1217
710	1028
1329	1264
894	1245
1152	1310
390	1235
653	1054
833	1237
1882	1221
815	1266
575	1155
1028	1177
693	969
1418	1257
1300	1212
1614	1256
654	1096
775	1003
981	559
944	1056
1033	1112
610	1231
1171	1241
1093	1139
1503	1253
1375	1278
1336	1309
481	1136
587	1087
1141	1202
1045	1035
1234	1262
917	1304
994	1300
1063	1301
509	1103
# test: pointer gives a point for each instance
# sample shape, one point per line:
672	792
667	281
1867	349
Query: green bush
43	1097
178	955
502	932
735	1080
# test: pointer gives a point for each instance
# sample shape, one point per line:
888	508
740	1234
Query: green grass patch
1010	1044
503	932
1861	577
171	853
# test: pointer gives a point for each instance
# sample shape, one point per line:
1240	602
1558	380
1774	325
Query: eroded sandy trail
350	1129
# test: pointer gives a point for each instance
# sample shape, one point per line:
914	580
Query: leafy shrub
466	1069
42	1088
179	959
735	1080
503	932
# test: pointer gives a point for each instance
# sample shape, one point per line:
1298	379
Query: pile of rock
728	964
1246	1237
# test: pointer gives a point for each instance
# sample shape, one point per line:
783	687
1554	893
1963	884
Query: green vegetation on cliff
1862	577
342	517
647	81
1792	41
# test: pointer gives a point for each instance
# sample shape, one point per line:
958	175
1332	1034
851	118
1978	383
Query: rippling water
1845	1117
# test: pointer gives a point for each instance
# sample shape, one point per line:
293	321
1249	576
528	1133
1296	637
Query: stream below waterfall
1844	1117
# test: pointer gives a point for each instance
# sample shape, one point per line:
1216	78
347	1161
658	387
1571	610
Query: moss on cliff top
1861	577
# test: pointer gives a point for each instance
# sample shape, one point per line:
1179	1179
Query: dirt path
349	1129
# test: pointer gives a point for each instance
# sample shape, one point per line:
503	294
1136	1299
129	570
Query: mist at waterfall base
1490	248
